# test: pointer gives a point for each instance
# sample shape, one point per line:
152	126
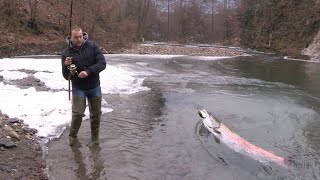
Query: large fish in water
223	134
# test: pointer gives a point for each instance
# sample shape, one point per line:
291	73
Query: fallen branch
5	45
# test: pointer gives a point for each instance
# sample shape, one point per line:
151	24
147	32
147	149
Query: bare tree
96	11
181	22
168	27
17	28
34	16
63	16
143	7
120	7
212	19
225	9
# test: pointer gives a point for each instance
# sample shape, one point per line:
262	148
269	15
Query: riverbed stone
14	120
4	168
1	133
5	117
1	123
7	142
8	131
30	130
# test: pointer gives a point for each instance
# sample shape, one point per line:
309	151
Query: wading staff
72	71
69	76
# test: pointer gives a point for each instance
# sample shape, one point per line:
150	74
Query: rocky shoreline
180	49
20	151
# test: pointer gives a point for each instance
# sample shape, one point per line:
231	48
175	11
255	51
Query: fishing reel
73	69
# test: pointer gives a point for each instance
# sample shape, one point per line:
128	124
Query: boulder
7	142
4	168
1	123
4	116
8	131
1	133
14	120
313	49
30	130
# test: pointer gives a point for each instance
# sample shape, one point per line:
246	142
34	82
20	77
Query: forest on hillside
283	26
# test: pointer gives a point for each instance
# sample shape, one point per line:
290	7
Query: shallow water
156	134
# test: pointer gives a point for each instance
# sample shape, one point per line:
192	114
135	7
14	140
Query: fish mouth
202	113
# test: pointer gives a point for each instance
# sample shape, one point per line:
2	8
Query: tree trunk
142	16
168	28
17	29
70	18
212	16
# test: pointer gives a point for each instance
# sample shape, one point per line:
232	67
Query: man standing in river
89	62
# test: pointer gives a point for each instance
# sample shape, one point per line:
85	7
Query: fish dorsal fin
216	130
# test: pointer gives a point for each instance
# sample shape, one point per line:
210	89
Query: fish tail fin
288	161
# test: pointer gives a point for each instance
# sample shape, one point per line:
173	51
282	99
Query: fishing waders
78	108
95	114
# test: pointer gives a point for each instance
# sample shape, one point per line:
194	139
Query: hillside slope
40	27
282	26
25	29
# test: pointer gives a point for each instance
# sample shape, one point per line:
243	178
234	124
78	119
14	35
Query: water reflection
85	172
305	77
272	69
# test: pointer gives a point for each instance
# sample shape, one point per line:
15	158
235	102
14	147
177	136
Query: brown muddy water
156	134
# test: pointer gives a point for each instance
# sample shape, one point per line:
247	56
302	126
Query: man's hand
68	61
83	74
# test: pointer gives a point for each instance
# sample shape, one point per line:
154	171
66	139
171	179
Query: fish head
203	113
208	120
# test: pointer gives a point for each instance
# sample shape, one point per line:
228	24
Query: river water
156	134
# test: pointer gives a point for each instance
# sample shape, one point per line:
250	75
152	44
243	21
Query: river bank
20	151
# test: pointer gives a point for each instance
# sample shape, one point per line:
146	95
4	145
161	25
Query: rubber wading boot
78	108
95	114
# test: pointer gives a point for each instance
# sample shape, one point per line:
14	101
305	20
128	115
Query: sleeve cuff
88	72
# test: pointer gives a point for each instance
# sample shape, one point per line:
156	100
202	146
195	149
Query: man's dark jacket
88	58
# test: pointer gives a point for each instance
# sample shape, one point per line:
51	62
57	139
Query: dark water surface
156	134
